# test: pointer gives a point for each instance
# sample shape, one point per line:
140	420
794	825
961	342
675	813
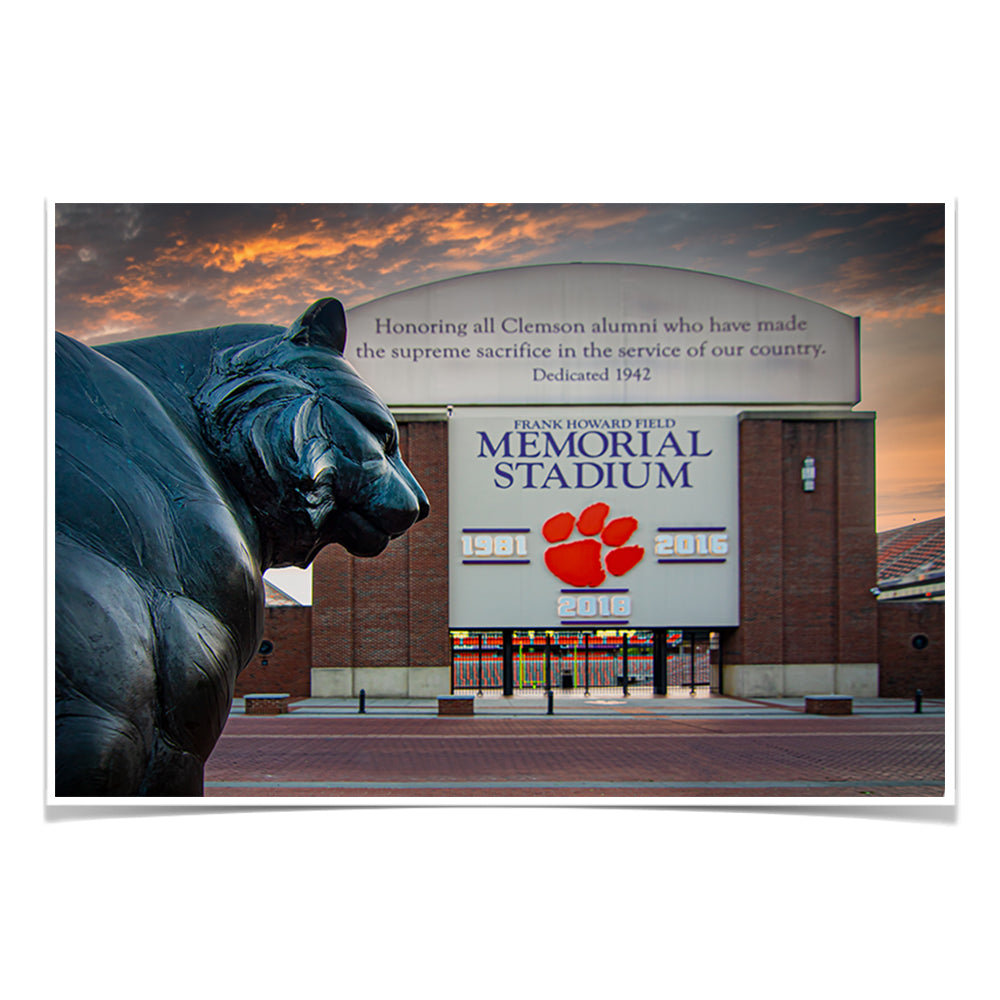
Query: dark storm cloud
839	255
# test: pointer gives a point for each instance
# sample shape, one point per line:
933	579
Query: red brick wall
808	560
903	669
857	542
760	637
809	531
430	643
287	669
391	610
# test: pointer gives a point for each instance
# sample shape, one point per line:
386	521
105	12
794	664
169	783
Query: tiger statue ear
323	324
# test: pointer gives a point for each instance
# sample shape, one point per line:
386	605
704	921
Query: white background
226	102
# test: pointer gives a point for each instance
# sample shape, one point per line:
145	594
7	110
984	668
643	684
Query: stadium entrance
663	661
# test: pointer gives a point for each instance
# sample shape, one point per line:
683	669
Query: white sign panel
603	333
587	517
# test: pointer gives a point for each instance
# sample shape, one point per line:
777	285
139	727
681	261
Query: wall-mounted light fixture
809	475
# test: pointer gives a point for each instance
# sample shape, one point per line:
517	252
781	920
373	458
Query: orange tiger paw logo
581	563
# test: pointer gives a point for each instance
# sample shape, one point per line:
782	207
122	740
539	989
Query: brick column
374	620
759	639
858	544
808	559
430	645
809	597
333	608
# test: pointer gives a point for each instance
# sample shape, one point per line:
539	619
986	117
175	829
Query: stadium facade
641	478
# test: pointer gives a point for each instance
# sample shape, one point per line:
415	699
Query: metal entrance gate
692	664
629	661
476	661
583	661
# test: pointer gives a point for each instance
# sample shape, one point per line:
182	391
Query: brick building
690	437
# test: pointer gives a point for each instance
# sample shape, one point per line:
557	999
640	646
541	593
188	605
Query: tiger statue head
311	448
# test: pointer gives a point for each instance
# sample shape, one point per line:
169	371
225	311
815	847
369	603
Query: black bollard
361	702
549	711
918	702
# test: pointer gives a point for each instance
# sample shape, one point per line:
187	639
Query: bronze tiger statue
186	465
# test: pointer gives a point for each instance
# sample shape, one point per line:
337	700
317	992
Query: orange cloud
860	287
824	234
800	245
477	231
932	306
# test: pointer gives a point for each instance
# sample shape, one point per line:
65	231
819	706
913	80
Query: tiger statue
185	466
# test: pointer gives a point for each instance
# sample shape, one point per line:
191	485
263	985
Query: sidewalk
604	704
589	747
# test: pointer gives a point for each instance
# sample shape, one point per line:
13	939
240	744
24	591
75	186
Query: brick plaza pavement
692	753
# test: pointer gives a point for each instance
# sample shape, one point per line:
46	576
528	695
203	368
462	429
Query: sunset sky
124	271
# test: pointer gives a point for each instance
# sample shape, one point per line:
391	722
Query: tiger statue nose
402	502
423	506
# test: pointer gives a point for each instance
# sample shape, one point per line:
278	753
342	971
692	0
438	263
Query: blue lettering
593	454
486	443
628	482
682	475
694	445
555	473
671	442
530	466
580	484
552	447
526	443
501	470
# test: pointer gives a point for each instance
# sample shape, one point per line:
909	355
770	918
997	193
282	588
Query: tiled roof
914	551
276	597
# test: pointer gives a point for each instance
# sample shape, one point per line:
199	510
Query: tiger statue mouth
363	537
